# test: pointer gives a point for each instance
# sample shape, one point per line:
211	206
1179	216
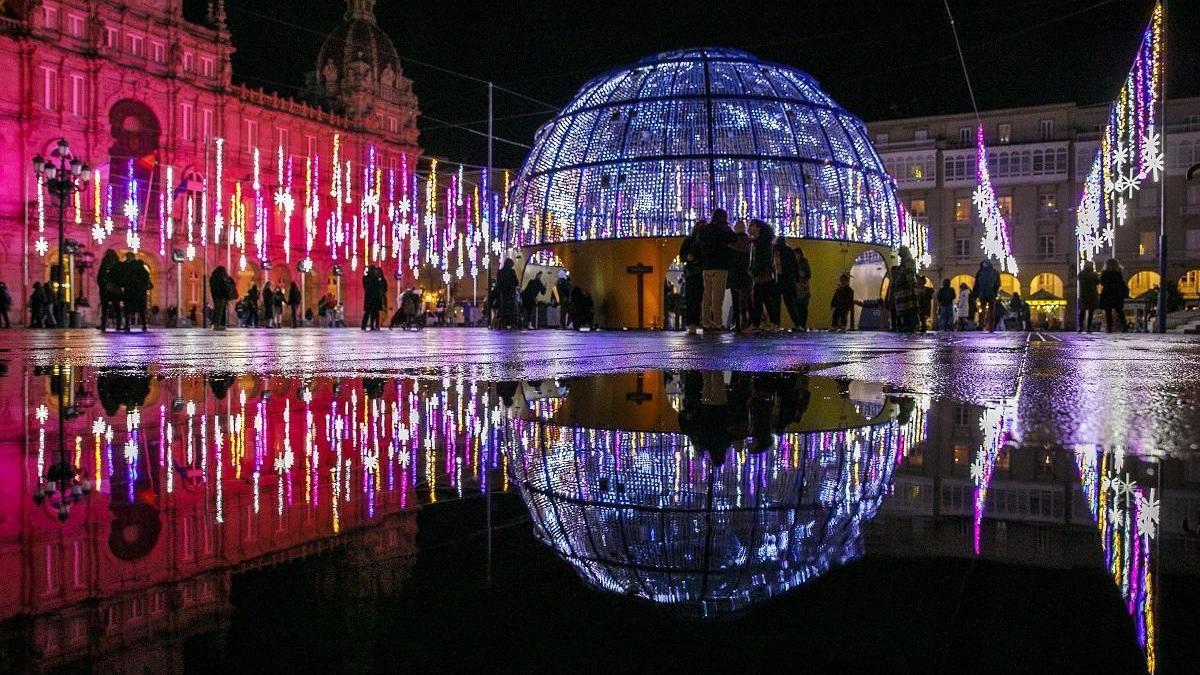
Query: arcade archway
1189	288
1047	301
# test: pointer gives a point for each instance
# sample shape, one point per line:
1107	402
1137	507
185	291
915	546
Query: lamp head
39	163
64	148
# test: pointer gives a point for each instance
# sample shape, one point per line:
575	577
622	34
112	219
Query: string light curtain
355	211
1130	148
647	150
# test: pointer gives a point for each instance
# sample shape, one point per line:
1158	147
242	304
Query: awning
1044	298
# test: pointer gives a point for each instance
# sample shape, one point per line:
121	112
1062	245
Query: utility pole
1161	311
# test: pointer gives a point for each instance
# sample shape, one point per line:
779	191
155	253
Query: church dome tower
359	70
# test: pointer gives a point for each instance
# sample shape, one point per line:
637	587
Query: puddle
175	510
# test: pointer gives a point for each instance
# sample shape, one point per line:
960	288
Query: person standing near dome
715	256
739	281
693	278
765	294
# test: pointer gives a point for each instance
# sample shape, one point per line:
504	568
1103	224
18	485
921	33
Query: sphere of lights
645	151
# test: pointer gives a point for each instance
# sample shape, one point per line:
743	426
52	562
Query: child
963	307
842	303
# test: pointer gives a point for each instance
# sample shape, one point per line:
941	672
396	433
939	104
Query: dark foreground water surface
156	521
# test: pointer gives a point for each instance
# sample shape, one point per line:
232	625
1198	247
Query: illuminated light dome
644	514
646	150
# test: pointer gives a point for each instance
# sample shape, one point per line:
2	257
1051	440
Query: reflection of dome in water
644	150
642	514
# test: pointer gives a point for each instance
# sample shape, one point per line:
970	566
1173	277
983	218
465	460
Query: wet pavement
179	499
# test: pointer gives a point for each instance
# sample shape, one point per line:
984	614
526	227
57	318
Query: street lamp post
62	180
63	485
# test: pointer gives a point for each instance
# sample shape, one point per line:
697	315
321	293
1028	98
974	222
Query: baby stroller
410	314
506	309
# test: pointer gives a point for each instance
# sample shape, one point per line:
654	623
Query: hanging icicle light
996	242
1130	150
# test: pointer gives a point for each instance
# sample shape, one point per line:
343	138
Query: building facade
148	98
1039	157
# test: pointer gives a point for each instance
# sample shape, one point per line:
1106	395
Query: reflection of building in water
1090	508
200	480
646	513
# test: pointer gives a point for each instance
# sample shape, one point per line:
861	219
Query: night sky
879	59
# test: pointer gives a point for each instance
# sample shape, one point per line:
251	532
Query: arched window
135	135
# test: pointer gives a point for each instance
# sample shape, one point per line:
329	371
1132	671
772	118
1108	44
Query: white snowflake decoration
42	413
41	246
1148	515
1153	161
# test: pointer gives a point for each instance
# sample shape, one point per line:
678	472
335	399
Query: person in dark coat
5	304
924	302
293	302
529	297
787	268
218	286
268	302
1089	296
714	239
987	287
135	283
842	303
945	300
381	291
1113	292
795	275
278	301
739	281
252	297
581	300
902	293
693	278
1018	311
765	293
562	287
506	294
110	290
37	306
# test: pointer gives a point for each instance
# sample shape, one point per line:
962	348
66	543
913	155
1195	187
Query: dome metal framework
644	151
643	514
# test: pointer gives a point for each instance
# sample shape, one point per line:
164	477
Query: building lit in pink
148	98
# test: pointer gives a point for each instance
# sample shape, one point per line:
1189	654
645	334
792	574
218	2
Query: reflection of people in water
764	394
506	390
907	406
373	386
220	384
793	400
122	388
715	415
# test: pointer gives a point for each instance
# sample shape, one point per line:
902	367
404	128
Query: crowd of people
511	306
763	274
124	285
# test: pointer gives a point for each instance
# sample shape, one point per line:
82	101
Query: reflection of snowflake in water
1148	515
